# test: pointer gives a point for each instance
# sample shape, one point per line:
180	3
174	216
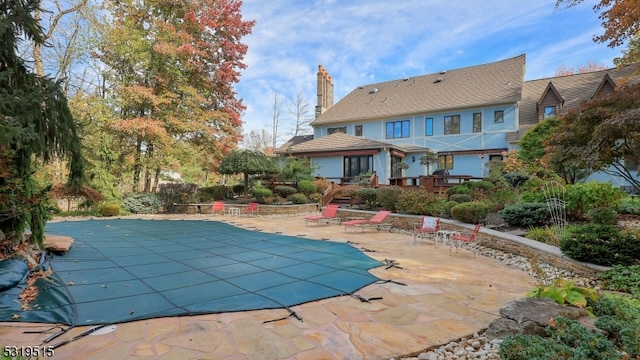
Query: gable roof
340	142
573	89
494	83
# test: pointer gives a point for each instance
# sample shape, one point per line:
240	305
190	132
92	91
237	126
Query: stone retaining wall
263	210
541	252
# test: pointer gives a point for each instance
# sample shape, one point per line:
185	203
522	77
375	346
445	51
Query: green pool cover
126	269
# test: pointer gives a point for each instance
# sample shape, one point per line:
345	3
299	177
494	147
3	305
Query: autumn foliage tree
35	125
171	66
602	135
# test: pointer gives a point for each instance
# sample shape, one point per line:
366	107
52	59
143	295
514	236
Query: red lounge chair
458	239
377	220
429	226
252	208
218	207
328	215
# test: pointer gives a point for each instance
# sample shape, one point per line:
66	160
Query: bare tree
275	116
299	108
259	141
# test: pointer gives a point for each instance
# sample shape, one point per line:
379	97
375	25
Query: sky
364	42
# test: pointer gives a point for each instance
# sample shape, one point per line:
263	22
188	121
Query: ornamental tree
247	162
35	124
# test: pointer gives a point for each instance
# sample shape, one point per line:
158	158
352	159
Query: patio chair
429	227
458	239
252	208
376	220
218	207
328	215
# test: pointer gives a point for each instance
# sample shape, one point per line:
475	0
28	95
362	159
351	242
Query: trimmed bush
212	193
141	203
601	244
238	189
516	179
447	208
388	196
261	193
307	187
526	214
460	189
420	202
603	216
368	195
460	198
110	209
482	185
581	198
284	191
545	235
299	198
471	212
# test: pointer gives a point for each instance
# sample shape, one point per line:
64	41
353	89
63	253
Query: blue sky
362	42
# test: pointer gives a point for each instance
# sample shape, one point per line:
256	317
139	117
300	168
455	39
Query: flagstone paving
433	297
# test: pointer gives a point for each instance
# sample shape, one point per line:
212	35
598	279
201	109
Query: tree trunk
137	166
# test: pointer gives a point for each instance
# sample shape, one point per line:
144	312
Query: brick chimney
325	91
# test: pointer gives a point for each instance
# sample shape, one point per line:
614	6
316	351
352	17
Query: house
462	118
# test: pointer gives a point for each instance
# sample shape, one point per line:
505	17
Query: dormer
550	103
606	87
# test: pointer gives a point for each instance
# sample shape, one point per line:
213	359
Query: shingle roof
342	142
574	89
494	83
293	141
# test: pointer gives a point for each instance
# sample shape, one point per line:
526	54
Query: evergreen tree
35	124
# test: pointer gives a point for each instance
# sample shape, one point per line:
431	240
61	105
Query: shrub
460	198
471	212
622	278
525	214
416	202
565	339
603	216
173	193
238	189
322	184
299	198
141	203
212	193
261	193
580	198
482	185
315	197
564	292
516	179
368	195
388	196
619	316
460	189
109	209
307	187
629	206
447	208
544	235
284	191
601	244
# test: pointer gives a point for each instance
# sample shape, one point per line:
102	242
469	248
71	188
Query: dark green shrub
471	212
141	203
110	209
307	187
447	208
601	244
525	214
580	198
516	179
534	196
261	193
460	189
212	193
299	198
619	316
367	194
417	202
622	278
238	189
460	198
173	193
603	216
482	185
567	340
388	196
284	191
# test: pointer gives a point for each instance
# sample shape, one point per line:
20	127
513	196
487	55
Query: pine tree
35	124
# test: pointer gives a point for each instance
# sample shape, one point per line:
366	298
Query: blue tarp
125	270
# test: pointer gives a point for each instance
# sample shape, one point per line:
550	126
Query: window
495	157
428	126
498	116
342	129
477	122
445	162
358	130
549	111
452	124
356	165
398	129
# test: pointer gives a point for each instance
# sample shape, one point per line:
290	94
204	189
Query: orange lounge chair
429	226
377	220
328	215
458	239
